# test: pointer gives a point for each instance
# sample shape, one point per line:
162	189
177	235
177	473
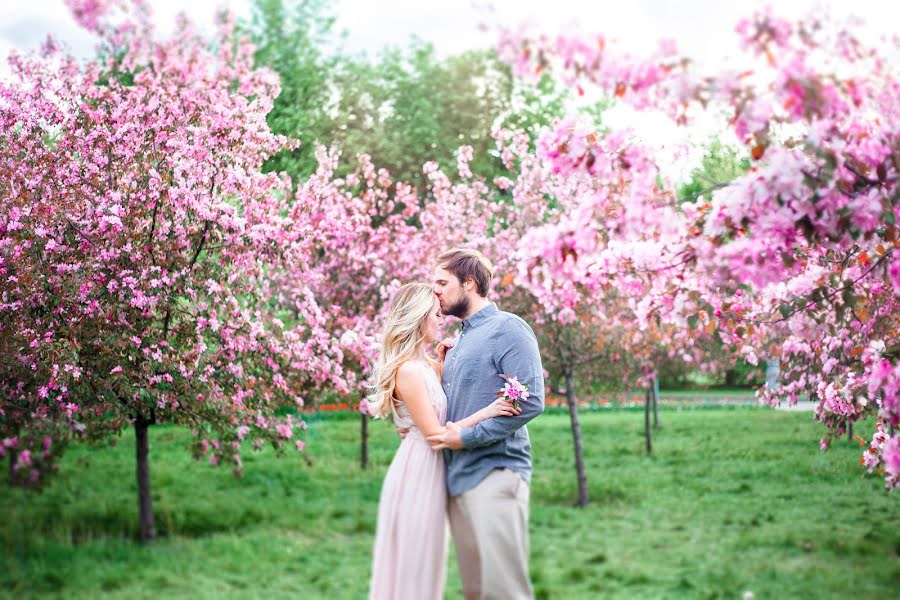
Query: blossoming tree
797	258
138	242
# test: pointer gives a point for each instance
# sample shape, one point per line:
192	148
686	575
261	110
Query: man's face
450	293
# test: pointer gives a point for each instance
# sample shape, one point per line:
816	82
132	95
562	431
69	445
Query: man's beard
458	309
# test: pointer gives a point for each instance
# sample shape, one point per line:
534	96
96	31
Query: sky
703	29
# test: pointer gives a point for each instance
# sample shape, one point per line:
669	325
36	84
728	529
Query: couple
480	480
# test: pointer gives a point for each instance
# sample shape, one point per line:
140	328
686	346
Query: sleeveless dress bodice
401	415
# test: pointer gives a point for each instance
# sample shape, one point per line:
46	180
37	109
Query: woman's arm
501	407
410	388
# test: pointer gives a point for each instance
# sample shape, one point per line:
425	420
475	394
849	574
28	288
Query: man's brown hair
465	263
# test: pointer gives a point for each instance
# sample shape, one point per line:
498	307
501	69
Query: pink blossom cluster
796	260
141	248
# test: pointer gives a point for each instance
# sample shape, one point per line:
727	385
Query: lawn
733	499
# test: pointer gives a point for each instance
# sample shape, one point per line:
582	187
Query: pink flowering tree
797	258
139	241
367	243
364	242
494	216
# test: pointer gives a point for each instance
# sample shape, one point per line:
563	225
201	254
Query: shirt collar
482	315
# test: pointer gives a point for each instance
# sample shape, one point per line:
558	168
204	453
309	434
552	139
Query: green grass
709	394
731	500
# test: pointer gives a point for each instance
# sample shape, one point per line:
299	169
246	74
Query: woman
411	533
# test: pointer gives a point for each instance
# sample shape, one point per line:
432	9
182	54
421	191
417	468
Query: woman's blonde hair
402	339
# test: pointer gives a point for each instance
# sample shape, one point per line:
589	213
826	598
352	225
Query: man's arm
517	354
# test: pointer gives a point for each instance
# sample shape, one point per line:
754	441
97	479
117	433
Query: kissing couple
465	454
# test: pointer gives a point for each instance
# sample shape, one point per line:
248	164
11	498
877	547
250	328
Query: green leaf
787	259
785	310
849	297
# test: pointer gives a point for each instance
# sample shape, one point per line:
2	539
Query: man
488	465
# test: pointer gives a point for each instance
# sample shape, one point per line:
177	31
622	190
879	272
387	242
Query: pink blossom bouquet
513	390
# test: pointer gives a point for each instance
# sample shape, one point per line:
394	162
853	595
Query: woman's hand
501	407
449	439
444	345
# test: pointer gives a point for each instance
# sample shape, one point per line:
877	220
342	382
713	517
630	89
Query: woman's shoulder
411	369
417	369
411	380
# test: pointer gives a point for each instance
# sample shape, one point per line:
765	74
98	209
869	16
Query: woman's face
433	323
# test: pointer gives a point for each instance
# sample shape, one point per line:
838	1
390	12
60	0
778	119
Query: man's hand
442	348
450	439
402	431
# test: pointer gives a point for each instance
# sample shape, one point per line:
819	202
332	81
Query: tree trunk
773	367
13	457
850	431
655	403
146	530
647	433
364	442
576	436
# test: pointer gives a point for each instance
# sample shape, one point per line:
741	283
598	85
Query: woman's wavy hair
402	339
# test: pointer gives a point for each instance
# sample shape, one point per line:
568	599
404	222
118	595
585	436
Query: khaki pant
490	530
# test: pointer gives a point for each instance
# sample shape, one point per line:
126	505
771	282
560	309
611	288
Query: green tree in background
404	107
721	165
410	106
292	38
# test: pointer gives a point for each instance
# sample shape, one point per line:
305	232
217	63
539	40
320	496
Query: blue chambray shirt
491	342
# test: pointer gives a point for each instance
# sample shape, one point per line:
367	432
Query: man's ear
469	284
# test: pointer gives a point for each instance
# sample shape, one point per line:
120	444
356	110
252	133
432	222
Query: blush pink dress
410	556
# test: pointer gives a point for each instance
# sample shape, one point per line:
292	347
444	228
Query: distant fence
635	400
591	402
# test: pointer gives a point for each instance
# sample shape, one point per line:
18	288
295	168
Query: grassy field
731	500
